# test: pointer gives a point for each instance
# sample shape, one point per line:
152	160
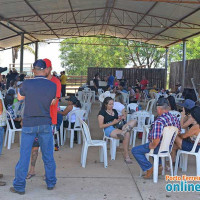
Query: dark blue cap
40	63
189	104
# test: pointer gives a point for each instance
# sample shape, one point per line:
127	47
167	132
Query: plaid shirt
11	111
166	119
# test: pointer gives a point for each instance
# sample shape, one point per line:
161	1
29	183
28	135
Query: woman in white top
72	104
121	110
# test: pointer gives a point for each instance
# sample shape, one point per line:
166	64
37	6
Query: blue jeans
1	138
139	154
45	138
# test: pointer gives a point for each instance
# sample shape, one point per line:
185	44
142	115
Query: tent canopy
158	22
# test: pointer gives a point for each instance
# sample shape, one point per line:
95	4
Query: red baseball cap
48	62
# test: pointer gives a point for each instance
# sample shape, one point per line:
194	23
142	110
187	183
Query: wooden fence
76	80
192	71
154	76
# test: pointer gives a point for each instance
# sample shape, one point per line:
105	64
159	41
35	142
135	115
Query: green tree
145	55
113	52
78	57
192	50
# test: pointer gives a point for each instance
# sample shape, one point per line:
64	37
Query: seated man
155	136
121	88
186	141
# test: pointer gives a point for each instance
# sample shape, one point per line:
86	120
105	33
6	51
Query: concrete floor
118	181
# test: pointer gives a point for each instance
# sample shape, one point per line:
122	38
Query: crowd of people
33	105
113	84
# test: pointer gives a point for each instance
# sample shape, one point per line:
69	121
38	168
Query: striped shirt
166	119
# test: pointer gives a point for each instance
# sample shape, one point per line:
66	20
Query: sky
50	51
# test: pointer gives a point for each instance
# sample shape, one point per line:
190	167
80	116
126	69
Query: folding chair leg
9	139
198	164
6	137
79	137
163	165
83	146
84	156
101	153
131	138
171	165
105	156
185	161
155	169
134	137
177	162
113	153
72	139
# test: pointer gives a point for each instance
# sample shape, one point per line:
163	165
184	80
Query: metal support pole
166	66
36	51
184	65
22	53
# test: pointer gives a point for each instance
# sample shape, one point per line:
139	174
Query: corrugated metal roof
159	22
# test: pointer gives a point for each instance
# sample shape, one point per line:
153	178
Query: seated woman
8	101
107	118
121	110
186	141
72	104
186	118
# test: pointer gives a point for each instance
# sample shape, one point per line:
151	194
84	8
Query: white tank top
73	117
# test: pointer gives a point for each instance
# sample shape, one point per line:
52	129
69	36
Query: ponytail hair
78	104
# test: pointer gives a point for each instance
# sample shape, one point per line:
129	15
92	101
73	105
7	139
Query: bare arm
102	125
19	97
189	133
189	121
154	144
66	111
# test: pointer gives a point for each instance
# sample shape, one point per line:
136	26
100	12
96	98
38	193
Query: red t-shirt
53	108
144	84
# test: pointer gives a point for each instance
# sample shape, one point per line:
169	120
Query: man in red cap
53	114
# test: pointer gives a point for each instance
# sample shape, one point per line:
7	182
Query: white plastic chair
143	118
10	132
145	134
178	98
168	136
184	157
87	107
131	106
176	113
77	127
79	96
113	145
86	89
87	142
150	105
125	97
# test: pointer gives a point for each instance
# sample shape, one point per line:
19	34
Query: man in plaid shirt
155	136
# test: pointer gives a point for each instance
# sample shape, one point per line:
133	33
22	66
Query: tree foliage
115	53
192	50
77	54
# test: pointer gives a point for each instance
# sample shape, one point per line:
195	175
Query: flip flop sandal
29	176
